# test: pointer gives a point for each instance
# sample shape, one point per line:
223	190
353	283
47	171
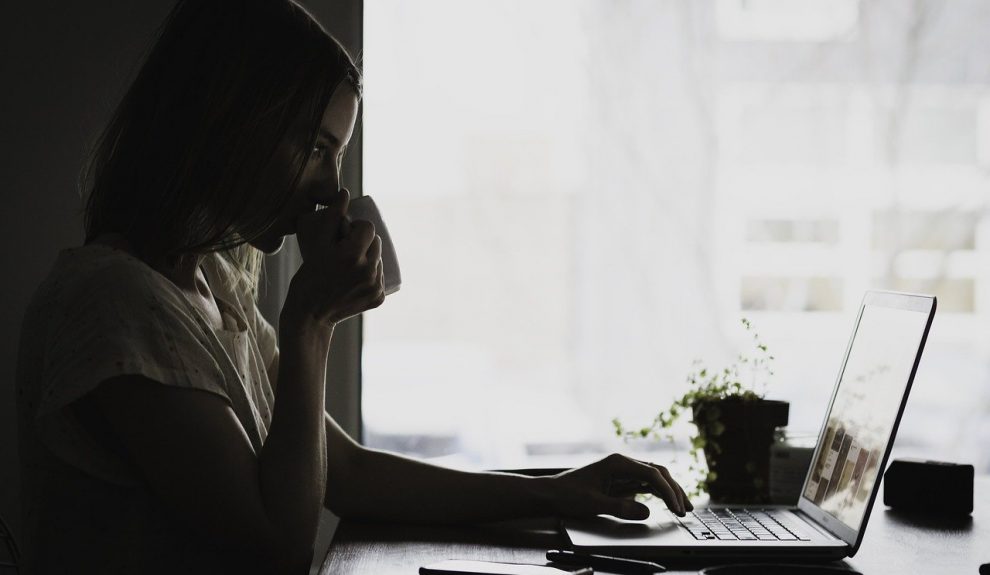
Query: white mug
364	208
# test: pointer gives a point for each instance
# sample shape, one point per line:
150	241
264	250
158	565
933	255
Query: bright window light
786	20
586	196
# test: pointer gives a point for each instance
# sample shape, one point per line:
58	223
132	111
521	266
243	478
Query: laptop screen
864	410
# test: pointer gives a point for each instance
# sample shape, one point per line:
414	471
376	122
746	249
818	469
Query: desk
894	543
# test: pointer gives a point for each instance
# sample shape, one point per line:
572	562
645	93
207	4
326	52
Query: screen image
863	413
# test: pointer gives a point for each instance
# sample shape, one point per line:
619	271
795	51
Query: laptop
841	485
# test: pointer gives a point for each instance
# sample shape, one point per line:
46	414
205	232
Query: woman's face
321	175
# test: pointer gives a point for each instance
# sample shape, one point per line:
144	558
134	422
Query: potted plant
735	426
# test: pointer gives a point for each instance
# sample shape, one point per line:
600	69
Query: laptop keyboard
741	525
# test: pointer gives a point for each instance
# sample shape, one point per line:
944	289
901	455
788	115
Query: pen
604	562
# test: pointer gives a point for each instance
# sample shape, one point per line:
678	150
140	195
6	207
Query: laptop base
663	536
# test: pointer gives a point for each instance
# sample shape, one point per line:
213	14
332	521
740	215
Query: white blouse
101	313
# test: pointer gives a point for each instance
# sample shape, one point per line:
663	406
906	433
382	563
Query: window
587	196
793	231
786	20
807	294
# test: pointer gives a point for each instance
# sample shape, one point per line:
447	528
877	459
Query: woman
164	427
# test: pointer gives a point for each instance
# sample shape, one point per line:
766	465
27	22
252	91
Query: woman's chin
270	245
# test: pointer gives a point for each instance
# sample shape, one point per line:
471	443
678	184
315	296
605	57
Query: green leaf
617	424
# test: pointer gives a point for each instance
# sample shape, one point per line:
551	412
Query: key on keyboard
741	524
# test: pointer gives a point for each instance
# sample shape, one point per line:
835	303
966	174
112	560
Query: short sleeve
122	323
117	320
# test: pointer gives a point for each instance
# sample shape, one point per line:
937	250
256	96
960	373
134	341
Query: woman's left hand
609	486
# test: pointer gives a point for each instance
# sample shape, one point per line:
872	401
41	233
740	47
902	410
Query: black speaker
931	487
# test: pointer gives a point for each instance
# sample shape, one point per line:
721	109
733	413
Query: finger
619	507
623	489
343	228
681	499
378	300
685	502
375	294
652	476
374	280
682	496
374	253
362	234
343	203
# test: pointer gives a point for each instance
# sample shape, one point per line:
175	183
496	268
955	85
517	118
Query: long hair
209	142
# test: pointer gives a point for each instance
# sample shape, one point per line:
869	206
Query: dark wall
63	67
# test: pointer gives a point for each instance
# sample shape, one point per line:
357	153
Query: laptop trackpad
661	528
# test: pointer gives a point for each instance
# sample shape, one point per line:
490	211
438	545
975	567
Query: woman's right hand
341	275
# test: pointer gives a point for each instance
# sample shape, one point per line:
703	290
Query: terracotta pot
738	433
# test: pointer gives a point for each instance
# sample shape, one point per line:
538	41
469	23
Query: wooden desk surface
894	543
